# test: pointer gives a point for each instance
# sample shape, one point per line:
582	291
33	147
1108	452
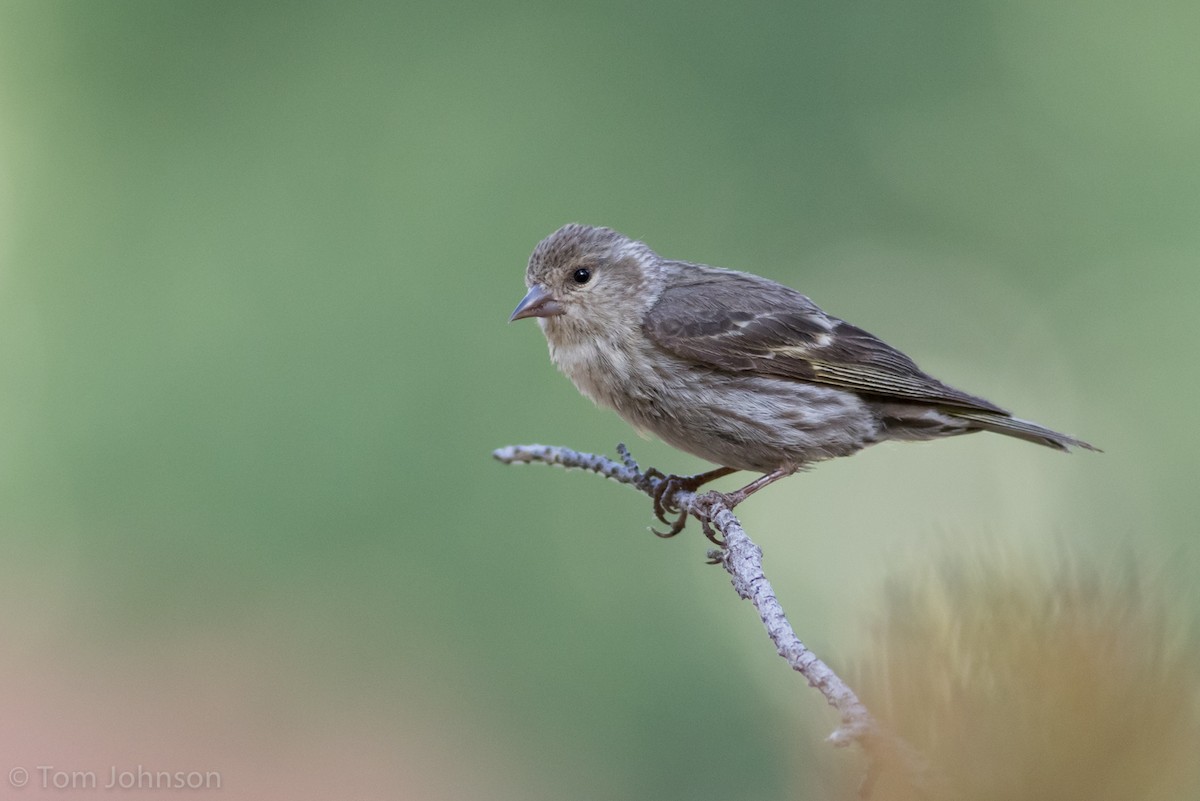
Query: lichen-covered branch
742	559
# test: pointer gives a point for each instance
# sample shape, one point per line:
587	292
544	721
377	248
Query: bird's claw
669	486
664	502
710	531
675	527
663	496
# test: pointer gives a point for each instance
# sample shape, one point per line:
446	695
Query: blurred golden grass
1025	678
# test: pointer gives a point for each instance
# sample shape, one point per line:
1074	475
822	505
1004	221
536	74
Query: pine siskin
734	368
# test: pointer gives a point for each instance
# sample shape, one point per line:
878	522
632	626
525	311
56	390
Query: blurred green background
256	261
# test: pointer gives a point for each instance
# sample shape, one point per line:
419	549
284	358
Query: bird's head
586	281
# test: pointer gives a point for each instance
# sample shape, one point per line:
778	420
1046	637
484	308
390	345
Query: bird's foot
709	500
664	504
731	499
664	497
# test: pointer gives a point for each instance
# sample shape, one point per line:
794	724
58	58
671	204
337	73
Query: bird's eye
582	275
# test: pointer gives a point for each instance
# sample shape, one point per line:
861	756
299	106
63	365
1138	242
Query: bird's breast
612	372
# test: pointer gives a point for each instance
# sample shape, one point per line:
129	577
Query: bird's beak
538	303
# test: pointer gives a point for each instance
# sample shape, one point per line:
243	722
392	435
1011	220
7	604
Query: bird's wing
743	323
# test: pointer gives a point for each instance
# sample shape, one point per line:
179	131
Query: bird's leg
664	494
732	499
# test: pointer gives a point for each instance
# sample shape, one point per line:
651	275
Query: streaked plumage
731	367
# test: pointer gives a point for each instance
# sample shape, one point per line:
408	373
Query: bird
734	368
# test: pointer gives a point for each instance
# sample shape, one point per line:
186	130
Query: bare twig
742	559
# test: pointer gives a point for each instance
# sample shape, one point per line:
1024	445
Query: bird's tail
1022	429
